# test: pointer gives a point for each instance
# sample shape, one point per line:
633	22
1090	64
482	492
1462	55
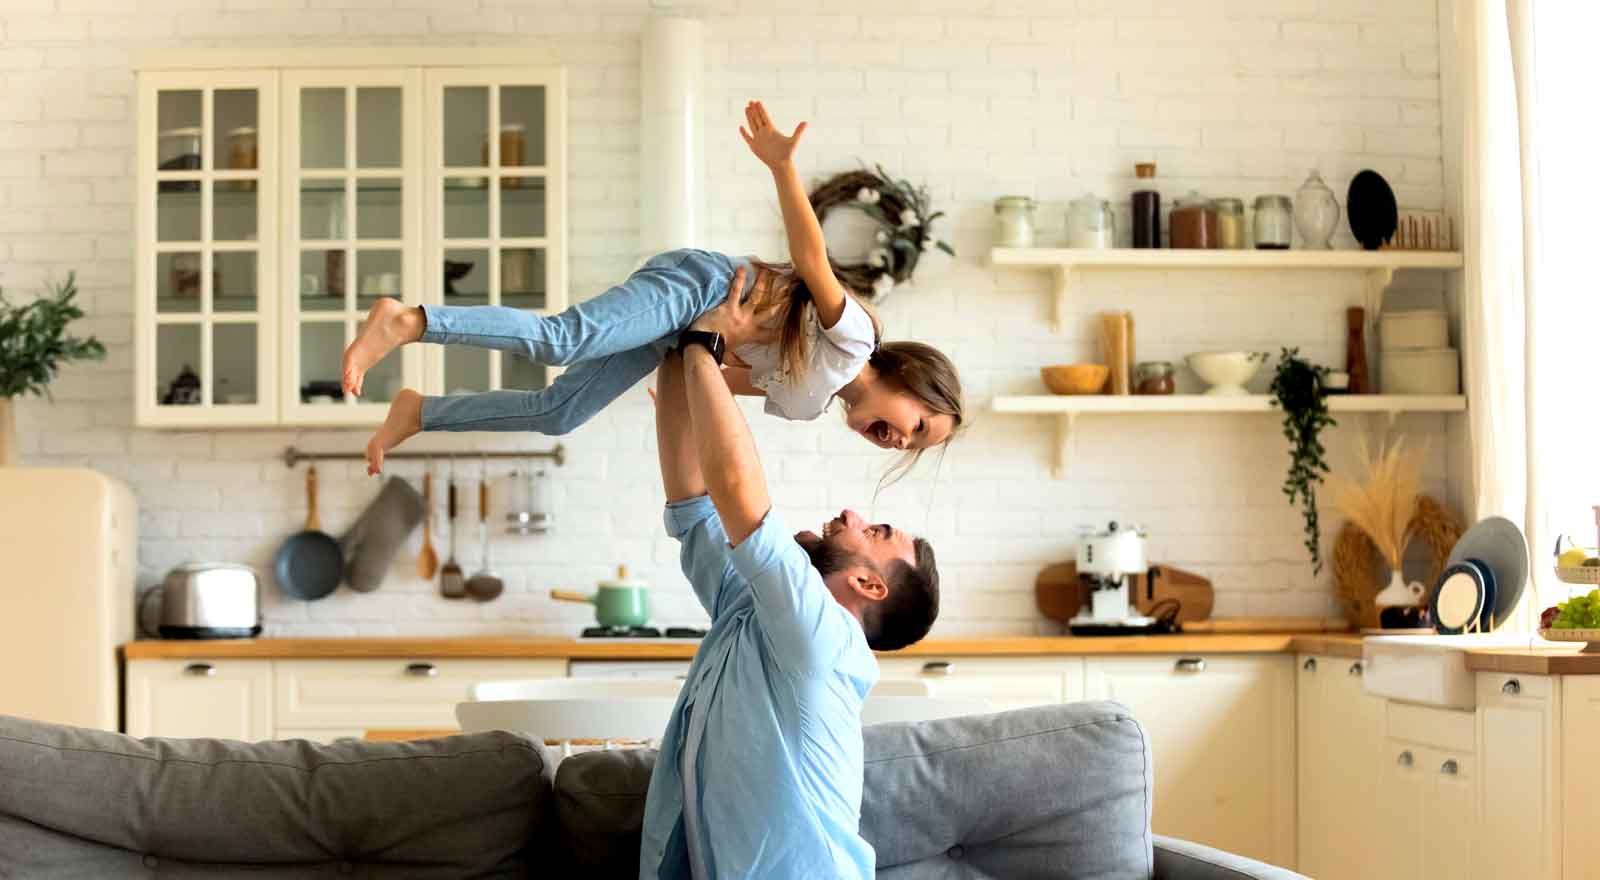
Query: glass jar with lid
1230	224
1154	377
1091	223
1193	223
1273	223
1013	221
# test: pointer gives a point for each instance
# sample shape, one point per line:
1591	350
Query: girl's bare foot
390	323
404	419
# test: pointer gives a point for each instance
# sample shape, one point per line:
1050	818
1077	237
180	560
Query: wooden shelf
1066	263
1067	408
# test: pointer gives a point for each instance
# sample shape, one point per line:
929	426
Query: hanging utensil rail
293	456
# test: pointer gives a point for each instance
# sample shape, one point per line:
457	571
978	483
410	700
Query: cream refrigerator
68	556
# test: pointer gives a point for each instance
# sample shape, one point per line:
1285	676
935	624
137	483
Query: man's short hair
908	612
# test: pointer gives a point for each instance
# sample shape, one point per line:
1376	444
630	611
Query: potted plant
1298	389
33	346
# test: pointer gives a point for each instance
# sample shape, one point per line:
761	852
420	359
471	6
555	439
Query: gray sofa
1058	791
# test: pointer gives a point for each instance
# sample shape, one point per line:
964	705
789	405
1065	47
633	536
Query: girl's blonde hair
788	299
923	372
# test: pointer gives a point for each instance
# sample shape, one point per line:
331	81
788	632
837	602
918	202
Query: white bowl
1226	371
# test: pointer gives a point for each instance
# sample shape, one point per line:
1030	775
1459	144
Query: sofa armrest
1181	860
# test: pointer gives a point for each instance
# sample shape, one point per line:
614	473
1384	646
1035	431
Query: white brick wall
975	97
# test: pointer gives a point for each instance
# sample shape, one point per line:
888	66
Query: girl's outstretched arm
807	249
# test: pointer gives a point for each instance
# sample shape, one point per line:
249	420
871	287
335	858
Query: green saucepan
621	602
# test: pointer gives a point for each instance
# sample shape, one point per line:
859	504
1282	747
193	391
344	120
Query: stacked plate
1483	579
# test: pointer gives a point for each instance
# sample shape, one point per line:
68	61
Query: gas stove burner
642	632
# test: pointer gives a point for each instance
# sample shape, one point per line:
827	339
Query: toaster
210	600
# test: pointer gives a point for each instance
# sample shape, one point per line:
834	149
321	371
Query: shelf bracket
1065	423
1378	280
1062	282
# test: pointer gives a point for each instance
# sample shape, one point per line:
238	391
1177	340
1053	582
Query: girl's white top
835	356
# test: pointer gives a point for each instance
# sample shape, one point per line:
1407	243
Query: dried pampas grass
1383	503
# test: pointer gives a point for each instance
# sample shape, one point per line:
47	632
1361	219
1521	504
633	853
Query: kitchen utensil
452	585
1413	328
1420	371
1371	206
427	560
530	505
1075	378
1316	213
484	585
1459	599
210	600
1269	625
621	602
1273	223
1226	371
1013	221
1355	351
1059	593
1193	593
1498	545
374	539
1107	560
309	563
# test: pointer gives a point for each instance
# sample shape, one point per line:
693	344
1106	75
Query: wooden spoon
427	560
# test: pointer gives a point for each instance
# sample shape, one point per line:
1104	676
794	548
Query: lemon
1572	558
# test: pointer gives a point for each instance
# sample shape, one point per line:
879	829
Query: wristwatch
711	340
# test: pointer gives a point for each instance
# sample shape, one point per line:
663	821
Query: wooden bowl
1075	378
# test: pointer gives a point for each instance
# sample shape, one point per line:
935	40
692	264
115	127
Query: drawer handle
1357	669
1190	664
1310	665
204	670
938	667
1405	759
1511	688
1449	767
422	670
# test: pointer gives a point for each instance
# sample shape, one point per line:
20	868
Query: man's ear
868	584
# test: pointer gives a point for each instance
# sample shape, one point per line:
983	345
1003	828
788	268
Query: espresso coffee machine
1108	560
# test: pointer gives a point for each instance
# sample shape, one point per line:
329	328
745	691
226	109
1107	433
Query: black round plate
1371	206
309	565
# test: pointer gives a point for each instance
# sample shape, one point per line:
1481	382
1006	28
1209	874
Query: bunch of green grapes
1579	612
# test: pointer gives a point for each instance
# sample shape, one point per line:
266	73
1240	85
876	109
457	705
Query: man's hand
737	321
770	145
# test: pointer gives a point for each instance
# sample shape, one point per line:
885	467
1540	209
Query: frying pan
309	563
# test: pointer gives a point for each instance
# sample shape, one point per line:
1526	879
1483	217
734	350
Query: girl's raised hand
769	144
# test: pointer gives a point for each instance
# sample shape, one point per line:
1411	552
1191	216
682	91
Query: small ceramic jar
1013	221
1155	377
1274	223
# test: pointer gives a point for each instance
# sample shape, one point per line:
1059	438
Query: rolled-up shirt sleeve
806	628
703	551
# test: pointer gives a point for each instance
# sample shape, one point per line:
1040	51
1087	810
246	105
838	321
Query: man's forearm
680	461
727	452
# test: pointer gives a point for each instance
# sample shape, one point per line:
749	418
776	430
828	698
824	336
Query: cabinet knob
1356	669
1190	664
1310	665
1405	759
1449	767
938	667
1511	688
422	670
204	670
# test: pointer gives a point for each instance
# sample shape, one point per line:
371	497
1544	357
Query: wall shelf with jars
280	197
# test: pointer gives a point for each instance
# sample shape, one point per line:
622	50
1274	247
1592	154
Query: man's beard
827	556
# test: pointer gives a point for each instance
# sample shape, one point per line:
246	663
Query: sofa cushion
1053	791
456	807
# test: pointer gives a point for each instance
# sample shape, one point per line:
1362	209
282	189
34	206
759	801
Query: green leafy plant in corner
34	341
1298	389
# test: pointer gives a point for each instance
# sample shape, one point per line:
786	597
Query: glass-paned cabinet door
206	244
351	182
495	153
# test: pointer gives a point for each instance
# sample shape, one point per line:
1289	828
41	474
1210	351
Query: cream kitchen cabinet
1222	737
421	693
1426	809
231	699
277	202
1004	682
1519	779
1340	733
1579	772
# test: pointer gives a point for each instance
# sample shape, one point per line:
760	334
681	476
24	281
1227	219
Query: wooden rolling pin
1268	625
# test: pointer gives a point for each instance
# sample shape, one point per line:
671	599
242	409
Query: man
759	773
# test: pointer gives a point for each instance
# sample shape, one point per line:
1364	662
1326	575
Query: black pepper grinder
1146	208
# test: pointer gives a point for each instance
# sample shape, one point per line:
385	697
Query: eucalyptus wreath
34	341
1298	389
905	227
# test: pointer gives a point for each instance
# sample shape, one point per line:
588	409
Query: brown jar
1155	377
1193	223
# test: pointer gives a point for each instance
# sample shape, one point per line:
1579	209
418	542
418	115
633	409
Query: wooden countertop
1565	660
504	647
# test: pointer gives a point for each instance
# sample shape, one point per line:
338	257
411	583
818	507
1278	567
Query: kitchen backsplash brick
976	98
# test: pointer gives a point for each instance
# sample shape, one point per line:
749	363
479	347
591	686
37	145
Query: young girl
818	341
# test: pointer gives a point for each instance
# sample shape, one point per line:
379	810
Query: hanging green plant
1298	389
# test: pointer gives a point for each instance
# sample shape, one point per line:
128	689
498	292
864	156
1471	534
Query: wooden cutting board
1194	593
1058	592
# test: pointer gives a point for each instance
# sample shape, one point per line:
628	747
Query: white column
671	132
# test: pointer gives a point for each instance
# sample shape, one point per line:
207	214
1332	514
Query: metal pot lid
622	580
